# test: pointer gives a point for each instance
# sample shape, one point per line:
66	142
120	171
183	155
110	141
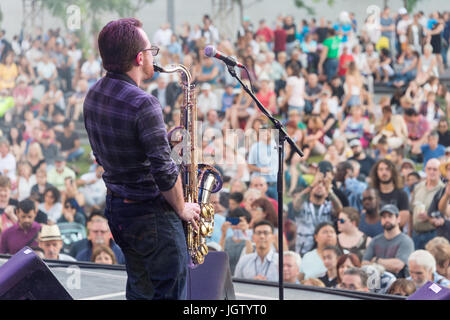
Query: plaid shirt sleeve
153	136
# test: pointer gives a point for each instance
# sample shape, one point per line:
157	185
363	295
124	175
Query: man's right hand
190	213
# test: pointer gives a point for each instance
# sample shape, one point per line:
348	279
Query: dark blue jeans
152	239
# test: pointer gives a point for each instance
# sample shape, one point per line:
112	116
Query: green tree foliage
302	5
93	10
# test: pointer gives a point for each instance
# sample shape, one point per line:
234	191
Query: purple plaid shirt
128	138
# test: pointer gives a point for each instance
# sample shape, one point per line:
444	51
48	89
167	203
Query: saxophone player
144	203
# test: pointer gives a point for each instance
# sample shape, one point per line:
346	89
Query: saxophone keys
204	230
203	249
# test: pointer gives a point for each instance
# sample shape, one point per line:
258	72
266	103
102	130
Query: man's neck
391	234
262	253
387	187
135	76
431	183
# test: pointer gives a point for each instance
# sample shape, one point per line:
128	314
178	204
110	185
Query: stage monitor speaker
431	291
212	279
26	277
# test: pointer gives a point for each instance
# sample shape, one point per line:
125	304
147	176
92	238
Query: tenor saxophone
199	180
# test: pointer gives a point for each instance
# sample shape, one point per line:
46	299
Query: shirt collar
121	76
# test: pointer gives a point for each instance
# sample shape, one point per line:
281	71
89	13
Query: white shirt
46	70
8	163
162	37
250	265
205	103
298	91
91	69
24	186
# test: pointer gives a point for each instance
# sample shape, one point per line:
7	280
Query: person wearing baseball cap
393	247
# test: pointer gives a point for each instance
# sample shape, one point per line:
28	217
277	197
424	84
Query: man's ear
139	59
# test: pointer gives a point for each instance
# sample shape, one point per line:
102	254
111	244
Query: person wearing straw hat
50	241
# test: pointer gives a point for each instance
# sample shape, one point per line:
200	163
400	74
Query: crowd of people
368	200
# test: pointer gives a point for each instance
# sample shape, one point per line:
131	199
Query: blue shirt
86	253
128	138
430	154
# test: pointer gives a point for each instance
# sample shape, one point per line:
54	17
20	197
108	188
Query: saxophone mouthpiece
157	68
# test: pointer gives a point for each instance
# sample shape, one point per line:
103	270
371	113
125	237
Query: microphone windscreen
210	51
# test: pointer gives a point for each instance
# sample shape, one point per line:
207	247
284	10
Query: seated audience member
71	215
263	263
379	279
439	247
313	282
93	188
24	233
51	206
422	268
312	264
354	279
51	242
69	142
291	267
350	238
239	243
402	287
330	258
346	261
57	175
99	234
400	245
7	204
104	255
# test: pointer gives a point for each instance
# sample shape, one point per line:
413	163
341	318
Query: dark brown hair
268	209
119	43
375	181
353	258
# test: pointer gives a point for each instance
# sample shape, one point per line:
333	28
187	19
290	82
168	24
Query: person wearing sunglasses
144	200
350	238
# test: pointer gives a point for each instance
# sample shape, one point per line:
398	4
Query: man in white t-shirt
46	70
162	36
93	187
34	55
402	28
7	160
90	70
206	100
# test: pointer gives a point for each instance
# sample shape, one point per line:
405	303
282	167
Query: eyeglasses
342	221
260	233
99	231
153	49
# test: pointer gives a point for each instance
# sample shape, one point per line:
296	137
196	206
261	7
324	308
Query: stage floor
87	281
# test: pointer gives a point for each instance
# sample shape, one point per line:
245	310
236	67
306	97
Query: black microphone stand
282	137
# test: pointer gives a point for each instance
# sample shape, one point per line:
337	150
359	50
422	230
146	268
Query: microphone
211	52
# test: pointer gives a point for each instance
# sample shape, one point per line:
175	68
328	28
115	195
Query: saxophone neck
185	74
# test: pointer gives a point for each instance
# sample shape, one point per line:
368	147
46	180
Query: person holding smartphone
238	243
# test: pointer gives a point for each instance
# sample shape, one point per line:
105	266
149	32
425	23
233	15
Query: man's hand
9	211
190	213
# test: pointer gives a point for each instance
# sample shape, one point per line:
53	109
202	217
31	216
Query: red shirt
265	99
344	60
280	40
267	33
